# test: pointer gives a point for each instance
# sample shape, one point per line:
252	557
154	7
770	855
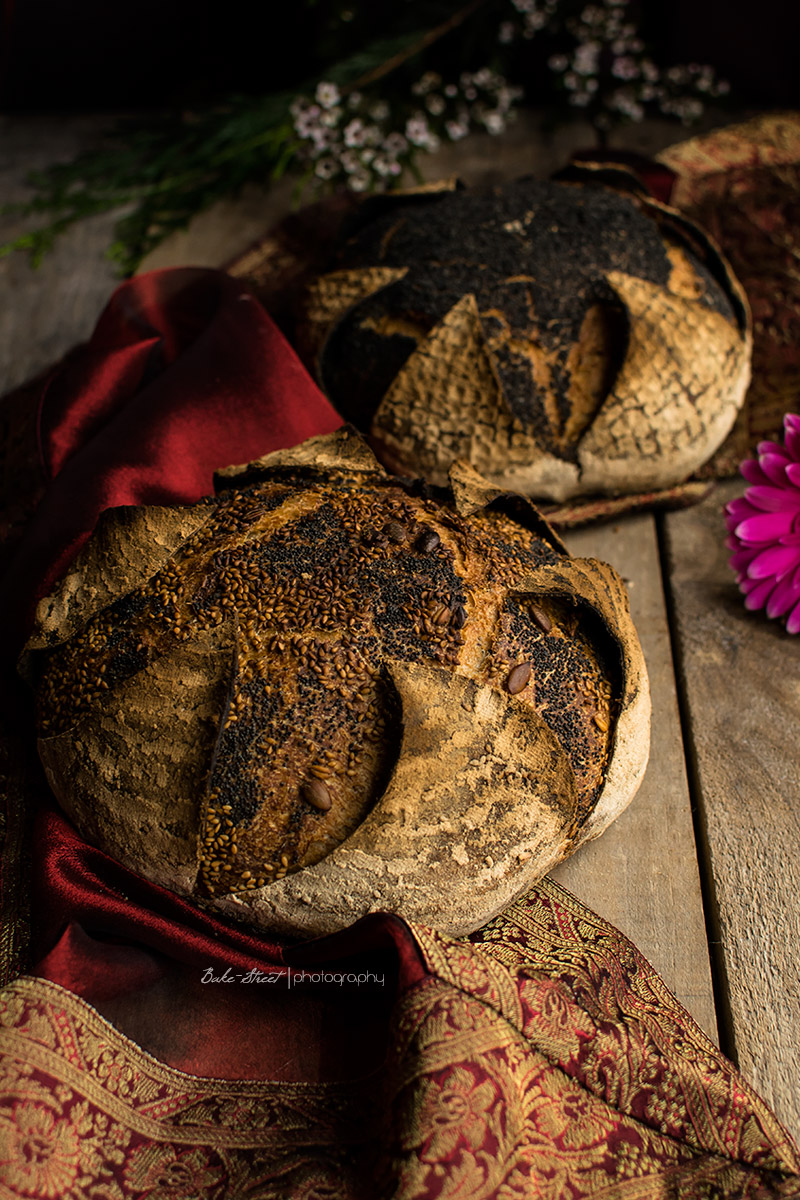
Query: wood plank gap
719	975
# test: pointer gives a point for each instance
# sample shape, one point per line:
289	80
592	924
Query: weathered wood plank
45	311
642	874
741	675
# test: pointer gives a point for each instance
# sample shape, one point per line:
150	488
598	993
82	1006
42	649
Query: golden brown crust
563	339
309	593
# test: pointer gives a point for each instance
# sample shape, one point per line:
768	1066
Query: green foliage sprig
366	115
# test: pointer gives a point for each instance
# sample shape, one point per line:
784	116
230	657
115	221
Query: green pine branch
172	167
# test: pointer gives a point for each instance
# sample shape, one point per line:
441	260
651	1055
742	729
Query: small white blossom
533	23
382	166
379	111
417	130
395	145
331	117
506	33
359	181
586	58
626	103
327	94
435	104
484	78
456	129
494	122
322	138
625	68
427	83
354	133
325	168
307	120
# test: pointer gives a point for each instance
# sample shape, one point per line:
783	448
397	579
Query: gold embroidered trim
57	1033
15	914
546	1060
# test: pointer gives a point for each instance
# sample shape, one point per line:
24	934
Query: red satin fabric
184	374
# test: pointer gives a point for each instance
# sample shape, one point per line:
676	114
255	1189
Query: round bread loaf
562	338
330	690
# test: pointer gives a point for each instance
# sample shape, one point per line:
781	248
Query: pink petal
752	471
793	442
774	465
742	559
793	623
758	596
774	561
740	508
766	527
793	473
783	597
790	539
770	448
773	499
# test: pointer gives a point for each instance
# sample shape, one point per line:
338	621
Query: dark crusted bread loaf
562	338
227	693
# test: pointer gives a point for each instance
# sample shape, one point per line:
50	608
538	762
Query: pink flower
764	528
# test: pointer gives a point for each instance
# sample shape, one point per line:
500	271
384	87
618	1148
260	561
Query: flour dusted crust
562	338
329	690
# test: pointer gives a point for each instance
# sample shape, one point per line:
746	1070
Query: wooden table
702	870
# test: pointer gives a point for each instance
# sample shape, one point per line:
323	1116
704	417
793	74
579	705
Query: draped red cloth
185	373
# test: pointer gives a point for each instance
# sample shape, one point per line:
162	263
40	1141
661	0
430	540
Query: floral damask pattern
543	1059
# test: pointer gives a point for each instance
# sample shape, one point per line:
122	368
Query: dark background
93	55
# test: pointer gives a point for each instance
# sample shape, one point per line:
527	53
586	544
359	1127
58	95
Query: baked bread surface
237	714
562	338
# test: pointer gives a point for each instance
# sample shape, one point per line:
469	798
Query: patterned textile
742	183
543	1059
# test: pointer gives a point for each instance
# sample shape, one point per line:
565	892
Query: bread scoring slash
330	690
564	338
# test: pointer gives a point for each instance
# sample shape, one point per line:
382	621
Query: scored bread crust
228	707
563	339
